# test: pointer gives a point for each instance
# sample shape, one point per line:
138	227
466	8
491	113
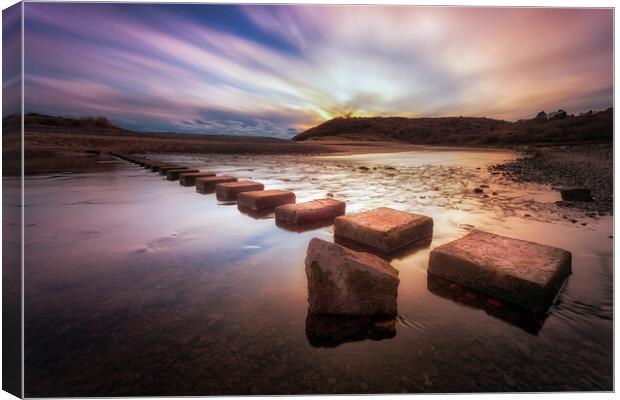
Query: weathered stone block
156	167
207	184
576	194
384	228
346	282
189	178
163	170
310	211
229	191
173	174
265	199
524	273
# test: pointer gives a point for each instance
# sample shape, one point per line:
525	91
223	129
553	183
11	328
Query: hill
51	136
557	127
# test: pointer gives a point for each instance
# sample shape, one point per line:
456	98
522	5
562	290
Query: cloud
154	67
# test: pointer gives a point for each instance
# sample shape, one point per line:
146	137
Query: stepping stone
229	191
524	273
150	164
189	178
311	211
156	167
173	174
576	194
163	170
384	229
347	282
265	199
207	184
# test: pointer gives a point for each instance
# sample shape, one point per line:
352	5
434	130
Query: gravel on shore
586	166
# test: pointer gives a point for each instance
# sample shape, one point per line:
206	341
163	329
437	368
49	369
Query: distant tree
541	116
560	114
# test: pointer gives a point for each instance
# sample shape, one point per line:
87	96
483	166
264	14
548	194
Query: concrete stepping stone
384	229
163	170
207	184
310	211
156	167
149	165
265	199
524	273
229	191
189	178
346	282
173	174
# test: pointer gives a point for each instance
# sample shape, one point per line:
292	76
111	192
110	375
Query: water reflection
256	214
399	253
147	288
514	315
311	226
332	330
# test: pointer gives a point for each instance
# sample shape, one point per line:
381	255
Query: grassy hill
556	127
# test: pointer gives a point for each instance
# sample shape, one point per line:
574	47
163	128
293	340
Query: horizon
278	70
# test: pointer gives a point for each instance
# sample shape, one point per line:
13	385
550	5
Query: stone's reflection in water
334	330
517	316
311	226
147	288
256	214
397	254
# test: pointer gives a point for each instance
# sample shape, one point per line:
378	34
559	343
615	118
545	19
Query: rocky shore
586	166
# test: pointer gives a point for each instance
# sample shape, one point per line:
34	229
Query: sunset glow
275	70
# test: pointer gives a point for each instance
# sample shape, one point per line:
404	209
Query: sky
279	69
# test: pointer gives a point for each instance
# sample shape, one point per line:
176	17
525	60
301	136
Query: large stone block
173	174
384	229
229	191
151	164
207	184
189	178
523	273
156	167
310	211
265	199
163	170
346	282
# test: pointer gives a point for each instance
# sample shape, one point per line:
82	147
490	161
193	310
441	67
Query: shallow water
138	286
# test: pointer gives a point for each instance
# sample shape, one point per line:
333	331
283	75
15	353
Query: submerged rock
384	228
334	330
346	282
524	273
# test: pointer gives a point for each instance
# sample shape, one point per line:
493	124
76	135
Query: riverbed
136	285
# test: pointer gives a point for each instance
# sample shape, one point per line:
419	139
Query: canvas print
246	199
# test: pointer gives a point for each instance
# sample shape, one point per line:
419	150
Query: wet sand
180	294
